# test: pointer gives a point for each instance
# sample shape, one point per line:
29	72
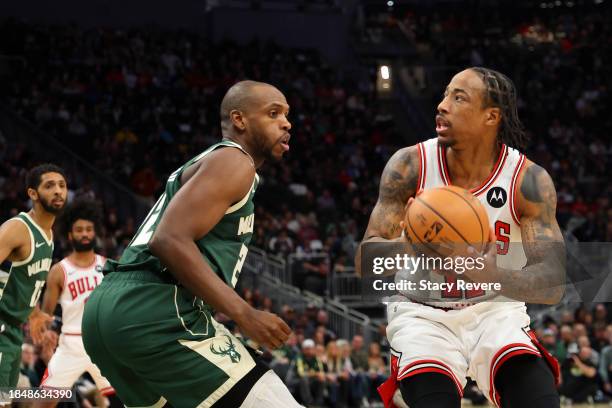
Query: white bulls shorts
69	362
472	342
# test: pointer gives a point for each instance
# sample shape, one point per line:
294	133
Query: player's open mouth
441	124
285	142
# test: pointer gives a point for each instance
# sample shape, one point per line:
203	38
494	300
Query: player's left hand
39	322
488	258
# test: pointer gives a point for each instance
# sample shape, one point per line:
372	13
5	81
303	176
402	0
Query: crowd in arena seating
581	340
137	105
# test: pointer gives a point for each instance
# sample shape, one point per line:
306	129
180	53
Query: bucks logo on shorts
229	350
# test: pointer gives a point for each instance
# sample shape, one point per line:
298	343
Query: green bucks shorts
155	342
11	338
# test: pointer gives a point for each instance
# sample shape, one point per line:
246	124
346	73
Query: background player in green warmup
26	249
149	326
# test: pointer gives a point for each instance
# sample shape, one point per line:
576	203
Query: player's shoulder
535	186
404	157
15	230
534	177
57	269
400	177
229	158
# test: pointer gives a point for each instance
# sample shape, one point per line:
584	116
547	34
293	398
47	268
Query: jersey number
144	234
502	232
37	291
455	293
244	250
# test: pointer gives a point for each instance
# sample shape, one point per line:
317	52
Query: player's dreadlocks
501	93
81	208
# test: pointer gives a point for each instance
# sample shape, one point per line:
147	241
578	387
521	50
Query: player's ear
493	116
237	119
32	194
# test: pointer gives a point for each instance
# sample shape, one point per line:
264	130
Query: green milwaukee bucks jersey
21	286
224	248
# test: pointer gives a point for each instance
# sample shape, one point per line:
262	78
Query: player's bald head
243	96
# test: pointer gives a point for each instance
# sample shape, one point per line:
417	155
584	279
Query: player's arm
397	184
55	285
224	177
15	246
542	280
41	318
14	241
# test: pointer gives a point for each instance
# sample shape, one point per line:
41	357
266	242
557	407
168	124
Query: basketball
444	219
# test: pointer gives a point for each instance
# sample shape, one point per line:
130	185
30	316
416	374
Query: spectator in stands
600	313
323	324
311	375
579	376
600	337
337	378
359	355
566	337
315	268
281	244
377	370
28	359
605	364
359	362
583	342
548	341
579	330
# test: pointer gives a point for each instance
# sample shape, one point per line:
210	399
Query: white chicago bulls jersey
498	195
78	285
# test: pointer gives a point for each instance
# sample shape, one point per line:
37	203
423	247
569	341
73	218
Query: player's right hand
39	322
266	329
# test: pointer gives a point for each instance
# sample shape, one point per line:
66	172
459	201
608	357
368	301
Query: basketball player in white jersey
70	282
438	343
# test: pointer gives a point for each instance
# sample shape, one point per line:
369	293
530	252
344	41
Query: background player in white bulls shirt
70	282
435	346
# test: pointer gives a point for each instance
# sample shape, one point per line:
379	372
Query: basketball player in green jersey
149	325
26	249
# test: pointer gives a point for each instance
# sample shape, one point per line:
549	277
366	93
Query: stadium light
384	82
384	72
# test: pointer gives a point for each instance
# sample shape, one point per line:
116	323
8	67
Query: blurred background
122	93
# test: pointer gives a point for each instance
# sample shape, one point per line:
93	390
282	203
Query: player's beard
78	246
265	148
48	207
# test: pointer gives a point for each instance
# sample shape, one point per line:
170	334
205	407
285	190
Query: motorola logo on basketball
497	197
